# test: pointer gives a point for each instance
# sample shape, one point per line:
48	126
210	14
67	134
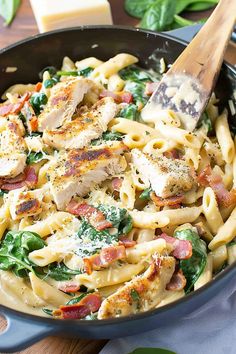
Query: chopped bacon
38	86
170	201
151	87
90	303
14	108
177	282
69	288
209	178
105	258
27	178
182	248
118	97
127	243
116	183
33	124
95	217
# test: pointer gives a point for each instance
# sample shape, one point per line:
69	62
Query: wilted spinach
130	112
14	250
194	266
37	101
108	136
119	218
34	157
60	272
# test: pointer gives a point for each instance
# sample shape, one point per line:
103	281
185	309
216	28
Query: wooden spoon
188	84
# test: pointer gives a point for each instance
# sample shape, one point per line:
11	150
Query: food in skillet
104	215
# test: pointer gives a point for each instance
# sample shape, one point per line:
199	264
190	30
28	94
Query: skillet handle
185	33
19	335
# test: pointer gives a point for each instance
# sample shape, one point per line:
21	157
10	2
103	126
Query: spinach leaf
138	91
108	136
119	218
201	5
51	82
60	272
77	299
194	266
85	72
145	195
37	101
68	73
181	22
14	251
92	240
34	157
159	15
48	311
8	9
206	122
3	192
130	112
134	73
137	8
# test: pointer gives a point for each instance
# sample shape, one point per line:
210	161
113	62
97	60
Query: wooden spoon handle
204	55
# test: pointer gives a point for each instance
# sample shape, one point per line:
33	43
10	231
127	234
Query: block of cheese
54	14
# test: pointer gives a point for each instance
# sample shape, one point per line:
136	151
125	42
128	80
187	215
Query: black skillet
30	57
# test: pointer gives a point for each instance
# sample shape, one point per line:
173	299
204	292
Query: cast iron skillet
30	57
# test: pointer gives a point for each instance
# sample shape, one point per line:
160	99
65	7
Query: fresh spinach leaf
181	22
137	8
130	112
201	5
60	272
159	15
145	195
8	9
108	136
34	157
37	101
14	250
194	266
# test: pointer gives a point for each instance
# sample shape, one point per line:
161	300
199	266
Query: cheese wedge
54	14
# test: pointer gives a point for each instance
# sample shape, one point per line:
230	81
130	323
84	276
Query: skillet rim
139	316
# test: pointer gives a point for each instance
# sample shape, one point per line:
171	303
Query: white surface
210	330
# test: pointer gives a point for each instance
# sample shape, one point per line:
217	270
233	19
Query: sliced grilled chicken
78	170
141	293
84	128
12	147
63	100
25	203
167	177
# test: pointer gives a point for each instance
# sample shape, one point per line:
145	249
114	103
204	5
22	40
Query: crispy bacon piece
208	178
177	282
105	258
127	243
28	178
69	288
95	217
151	87
170	201
14	108
182	248
118	97
90	303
